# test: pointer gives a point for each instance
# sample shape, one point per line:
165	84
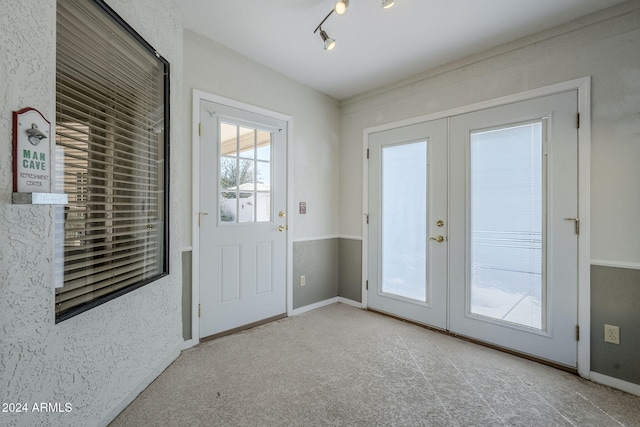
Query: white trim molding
350	302
616	264
351	237
313	239
615	383
314	306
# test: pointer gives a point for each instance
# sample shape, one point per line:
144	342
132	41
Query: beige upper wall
604	45
213	68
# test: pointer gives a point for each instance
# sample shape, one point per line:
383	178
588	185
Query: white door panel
513	265
408	204
242	193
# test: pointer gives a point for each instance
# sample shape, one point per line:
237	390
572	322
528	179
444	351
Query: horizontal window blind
111	110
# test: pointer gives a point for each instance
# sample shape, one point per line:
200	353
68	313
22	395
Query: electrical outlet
612	334
303	280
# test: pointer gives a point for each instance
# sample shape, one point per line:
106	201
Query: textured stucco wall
95	360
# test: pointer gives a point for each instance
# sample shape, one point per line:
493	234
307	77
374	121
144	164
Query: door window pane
228	139
404	209
246	204
263	145
507	280
245	174
247	142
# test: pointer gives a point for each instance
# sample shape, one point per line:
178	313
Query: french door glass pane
507	276
404	209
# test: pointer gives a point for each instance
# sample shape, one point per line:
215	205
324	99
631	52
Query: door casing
198	96
583	87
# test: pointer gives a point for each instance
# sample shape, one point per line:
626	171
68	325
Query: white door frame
583	86
198	96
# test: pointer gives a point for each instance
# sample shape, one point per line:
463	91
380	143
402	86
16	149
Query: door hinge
578	120
367	284
200	129
366	216
199	310
577	332
577	222
367	153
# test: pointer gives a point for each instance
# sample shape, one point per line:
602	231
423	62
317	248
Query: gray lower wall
332	268
317	260
350	269
186	295
615	293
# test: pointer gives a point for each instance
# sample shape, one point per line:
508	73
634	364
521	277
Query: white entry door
513	227
407	265
242	218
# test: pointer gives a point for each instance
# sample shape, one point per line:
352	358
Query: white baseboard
111	415
615	383
314	306
189	344
352	237
350	302
314	238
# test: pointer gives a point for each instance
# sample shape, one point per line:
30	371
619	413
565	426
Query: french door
407	222
488	246
514	220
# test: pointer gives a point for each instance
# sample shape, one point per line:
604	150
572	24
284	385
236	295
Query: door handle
282	228
439	238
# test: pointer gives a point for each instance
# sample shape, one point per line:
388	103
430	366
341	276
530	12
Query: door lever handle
282	228
439	238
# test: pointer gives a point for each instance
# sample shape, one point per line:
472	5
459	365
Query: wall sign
31	152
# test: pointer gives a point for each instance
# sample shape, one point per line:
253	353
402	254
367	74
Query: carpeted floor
340	366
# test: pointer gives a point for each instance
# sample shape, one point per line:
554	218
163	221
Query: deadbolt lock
440	223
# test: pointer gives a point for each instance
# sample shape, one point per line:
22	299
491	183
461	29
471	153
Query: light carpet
341	366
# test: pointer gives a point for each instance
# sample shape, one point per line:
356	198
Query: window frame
163	254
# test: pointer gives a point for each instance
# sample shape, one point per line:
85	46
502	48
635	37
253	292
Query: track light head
341	7
329	43
386	4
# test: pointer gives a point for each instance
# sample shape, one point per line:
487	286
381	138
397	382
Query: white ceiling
374	46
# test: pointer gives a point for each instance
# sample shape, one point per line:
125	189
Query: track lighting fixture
386	4
329	43
341	7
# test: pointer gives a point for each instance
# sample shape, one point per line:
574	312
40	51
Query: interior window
111	157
